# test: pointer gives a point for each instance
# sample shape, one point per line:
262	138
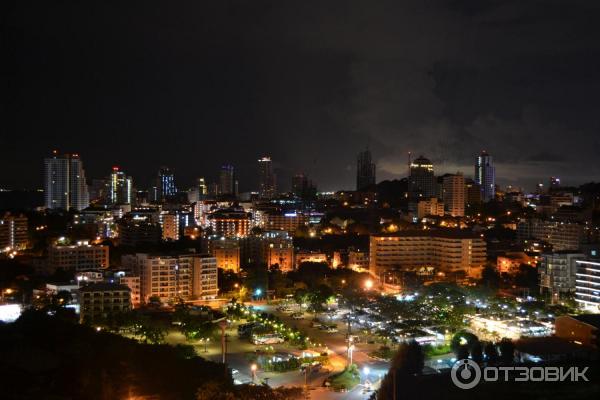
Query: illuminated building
557	271
137	231
453	194
587	285
511	261
421	181
81	256
227	253
309	256
65	187
358	260
485	176
13	232
170	226
269	247
266	178
581	329
227	186
165	185
120	188
445	250
202	187
133	283
430	207
178	276
230	223
473	192
365	171
561	235
100	300
285	221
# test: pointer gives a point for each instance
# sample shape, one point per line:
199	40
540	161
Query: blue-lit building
165	184
485	176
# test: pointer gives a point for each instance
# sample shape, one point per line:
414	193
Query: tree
507	351
477	352
490	352
490	277
409	359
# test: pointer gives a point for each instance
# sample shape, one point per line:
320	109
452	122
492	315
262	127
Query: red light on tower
115	168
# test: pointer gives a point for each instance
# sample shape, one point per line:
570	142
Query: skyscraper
365	170
421	182
454	194
266	178
227	181
65	187
165	185
120	187
485	176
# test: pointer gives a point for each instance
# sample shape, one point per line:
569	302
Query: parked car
316	324
332	329
298	315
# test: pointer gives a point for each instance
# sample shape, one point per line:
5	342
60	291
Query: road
239	350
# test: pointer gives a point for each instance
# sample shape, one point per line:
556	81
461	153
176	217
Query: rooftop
103	287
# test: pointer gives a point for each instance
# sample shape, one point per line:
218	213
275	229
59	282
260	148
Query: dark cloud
194	85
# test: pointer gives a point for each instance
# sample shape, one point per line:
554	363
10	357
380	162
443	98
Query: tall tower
120	187
227	180
485	176
421	181
266	178
165	184
65	187
365	170
454	194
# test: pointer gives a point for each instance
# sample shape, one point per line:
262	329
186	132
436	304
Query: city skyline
514	79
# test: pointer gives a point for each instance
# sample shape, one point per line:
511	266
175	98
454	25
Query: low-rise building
510	262
227	253
100	300
79	256
430	207
309	256
582	329
133	283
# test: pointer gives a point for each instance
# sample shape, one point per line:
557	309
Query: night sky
193	85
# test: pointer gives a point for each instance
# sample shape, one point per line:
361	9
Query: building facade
267	188
13	232
175	276
453	194
444	250
485	176
100	300
80	256
365	171
230	223
65	187
421	181
558	271
561	235
430	207
227	253
587	285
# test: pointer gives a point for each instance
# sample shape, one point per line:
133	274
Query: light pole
253	368
350	351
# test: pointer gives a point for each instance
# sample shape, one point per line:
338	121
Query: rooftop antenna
409	161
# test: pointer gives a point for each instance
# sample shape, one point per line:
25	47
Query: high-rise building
365	171
65	187
170	225
120	188
165	184
202	188
227	181
13	232
557	272
453	194
473	192
303	188
587	289
421	182
485	176
266	178
230	223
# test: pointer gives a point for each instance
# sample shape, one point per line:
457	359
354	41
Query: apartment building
444	250
80	256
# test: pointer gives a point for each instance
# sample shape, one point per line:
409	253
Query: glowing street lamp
368	284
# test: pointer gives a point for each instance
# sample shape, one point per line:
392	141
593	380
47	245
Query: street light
368	284
253	368
350	351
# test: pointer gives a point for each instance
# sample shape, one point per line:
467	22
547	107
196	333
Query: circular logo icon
465	374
